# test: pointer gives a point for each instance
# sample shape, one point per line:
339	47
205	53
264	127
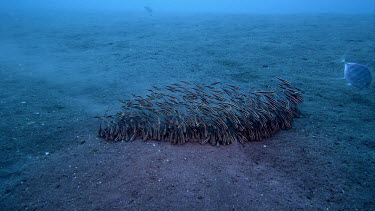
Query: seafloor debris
214	114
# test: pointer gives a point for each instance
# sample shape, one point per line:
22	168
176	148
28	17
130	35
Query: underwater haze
206	6
187	105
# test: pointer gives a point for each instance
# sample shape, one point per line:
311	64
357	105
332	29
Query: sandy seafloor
59	69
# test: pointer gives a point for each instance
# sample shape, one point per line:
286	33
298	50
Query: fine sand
59	69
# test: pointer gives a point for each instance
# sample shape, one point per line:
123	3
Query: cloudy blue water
222	6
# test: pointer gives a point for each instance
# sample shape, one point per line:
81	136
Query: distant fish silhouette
148	10
357	74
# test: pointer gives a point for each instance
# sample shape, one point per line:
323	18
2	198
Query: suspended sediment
215	114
